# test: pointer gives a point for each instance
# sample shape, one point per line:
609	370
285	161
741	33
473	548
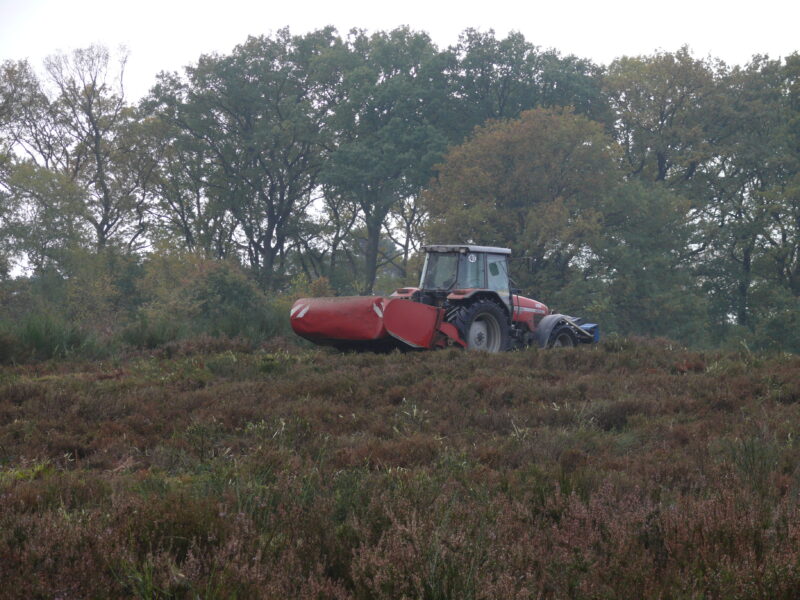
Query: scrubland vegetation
207	468
107	309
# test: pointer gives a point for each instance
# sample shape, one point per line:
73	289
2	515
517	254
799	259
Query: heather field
634	469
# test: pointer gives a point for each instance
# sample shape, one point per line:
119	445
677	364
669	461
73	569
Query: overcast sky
168	34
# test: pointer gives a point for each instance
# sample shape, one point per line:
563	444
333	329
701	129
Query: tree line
659	194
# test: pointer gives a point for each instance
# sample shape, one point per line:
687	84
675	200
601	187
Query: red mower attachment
372	323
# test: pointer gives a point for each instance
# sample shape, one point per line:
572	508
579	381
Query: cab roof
465	248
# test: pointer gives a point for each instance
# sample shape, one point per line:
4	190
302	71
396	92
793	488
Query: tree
75	124
492	78
6	213
533	184
186	212
321	248
259	115
641	275
45	219
663	104
784	239
387	141
409	217
91	107
747	219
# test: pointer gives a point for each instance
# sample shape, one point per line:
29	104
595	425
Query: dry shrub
614	415
204	344
408	452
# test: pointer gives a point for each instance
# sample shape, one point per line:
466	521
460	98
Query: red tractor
464	299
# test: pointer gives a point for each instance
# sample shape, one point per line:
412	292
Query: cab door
497	276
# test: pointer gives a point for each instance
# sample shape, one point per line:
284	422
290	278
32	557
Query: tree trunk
333	261
743	290
371	254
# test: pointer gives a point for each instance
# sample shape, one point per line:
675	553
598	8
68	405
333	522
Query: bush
188	296
43	336
9	345
165	299
227	303
150	331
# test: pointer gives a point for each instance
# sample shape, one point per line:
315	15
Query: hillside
633	469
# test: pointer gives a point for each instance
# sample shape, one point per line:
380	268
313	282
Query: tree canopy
659	194
531	184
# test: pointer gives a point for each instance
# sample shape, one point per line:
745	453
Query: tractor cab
461	270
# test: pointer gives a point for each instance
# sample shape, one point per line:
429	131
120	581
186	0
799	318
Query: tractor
464	299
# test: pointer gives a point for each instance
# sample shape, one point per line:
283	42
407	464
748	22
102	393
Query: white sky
168	34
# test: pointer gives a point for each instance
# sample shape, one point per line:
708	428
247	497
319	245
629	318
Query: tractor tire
483	325
562	337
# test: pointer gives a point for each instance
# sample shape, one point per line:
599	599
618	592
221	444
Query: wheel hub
477	335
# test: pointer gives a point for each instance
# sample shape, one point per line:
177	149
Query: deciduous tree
75	124
387	139
259	116
534	184
662	105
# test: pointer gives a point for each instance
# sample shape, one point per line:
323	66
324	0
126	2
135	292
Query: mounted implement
464	299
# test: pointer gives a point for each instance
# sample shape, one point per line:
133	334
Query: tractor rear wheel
483	325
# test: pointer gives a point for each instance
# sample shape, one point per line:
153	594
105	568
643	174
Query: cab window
498	273
440	271
473	271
